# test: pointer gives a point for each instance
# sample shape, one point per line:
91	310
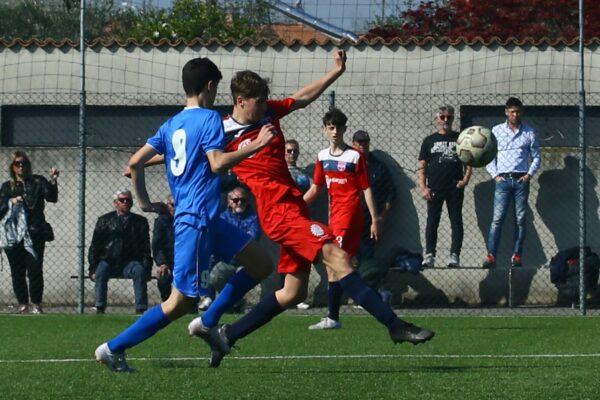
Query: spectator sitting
163	240
26	253
121	248
240	214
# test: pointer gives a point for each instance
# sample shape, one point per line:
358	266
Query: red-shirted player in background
344	170
284	215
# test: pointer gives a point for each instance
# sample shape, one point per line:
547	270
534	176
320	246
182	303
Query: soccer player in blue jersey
192	144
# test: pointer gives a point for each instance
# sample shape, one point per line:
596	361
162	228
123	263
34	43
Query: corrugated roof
288	42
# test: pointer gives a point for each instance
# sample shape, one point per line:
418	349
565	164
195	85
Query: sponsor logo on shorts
317	230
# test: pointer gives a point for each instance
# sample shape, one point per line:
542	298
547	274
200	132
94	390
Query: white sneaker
114	361
204	303
209	335
326	323
428	261
303	306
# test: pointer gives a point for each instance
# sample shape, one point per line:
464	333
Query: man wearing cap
121	248
442	179
384	193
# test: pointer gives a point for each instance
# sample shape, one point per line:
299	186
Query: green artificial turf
51	357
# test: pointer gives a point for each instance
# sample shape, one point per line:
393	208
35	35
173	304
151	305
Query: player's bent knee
177	305
337	260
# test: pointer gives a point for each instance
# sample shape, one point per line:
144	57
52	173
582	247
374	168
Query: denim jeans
133	270
506	190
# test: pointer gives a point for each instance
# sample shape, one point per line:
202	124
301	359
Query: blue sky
348	14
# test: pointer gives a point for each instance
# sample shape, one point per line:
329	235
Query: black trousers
453	198
22	265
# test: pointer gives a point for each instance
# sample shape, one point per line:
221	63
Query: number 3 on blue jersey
179	159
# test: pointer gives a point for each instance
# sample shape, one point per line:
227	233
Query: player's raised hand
340	59
266	134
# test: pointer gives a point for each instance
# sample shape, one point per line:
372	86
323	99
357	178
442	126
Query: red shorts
348	239
348	233
287	223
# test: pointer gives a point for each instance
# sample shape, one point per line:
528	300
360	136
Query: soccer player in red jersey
344	170
284	215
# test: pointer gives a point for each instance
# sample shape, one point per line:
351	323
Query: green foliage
105	19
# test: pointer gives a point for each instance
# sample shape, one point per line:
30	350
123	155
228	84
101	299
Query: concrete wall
389	91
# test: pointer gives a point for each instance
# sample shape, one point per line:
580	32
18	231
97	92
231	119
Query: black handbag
47	232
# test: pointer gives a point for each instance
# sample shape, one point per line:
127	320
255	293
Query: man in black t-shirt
442	178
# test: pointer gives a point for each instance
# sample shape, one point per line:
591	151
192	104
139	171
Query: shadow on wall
401	230
493	289
558	204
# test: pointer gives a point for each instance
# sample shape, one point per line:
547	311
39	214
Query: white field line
321	357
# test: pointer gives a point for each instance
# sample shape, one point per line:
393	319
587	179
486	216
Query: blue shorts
193	248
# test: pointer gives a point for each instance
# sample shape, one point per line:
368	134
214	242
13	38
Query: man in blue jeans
121	248
518	159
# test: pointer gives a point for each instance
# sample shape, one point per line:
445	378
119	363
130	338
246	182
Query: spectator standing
163	239
292	152
517	161
303	180
27	193
384	193
121	248
442	179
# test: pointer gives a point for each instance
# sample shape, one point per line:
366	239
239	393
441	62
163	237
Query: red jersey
346	177
283	214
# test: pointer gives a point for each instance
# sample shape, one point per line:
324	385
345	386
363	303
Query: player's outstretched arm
312	91
136	165
221	161
156	160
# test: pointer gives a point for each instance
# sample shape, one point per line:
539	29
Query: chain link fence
397	125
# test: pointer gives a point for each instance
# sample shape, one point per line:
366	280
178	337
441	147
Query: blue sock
234	291
259	315
146	326
358	290
335	300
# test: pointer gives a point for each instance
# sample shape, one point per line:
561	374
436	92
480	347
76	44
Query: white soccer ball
476	146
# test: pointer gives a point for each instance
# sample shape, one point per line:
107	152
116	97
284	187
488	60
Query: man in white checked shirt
517	161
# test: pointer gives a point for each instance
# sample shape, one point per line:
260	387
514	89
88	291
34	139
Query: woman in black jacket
32	191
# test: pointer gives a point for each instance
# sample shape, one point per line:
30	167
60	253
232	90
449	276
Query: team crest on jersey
245	143
317	230
341	166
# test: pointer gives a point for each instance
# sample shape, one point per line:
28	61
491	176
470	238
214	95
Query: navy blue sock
259	315
146	326
335	300
358	290
234	290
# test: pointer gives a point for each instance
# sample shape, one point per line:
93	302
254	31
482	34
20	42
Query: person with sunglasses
292	152
240	214
442	179
121	248
30	191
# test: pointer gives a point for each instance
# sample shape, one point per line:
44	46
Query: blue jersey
184	140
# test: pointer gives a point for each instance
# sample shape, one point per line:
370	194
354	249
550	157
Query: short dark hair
513	102
293	142
197	73
249	84
335	117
